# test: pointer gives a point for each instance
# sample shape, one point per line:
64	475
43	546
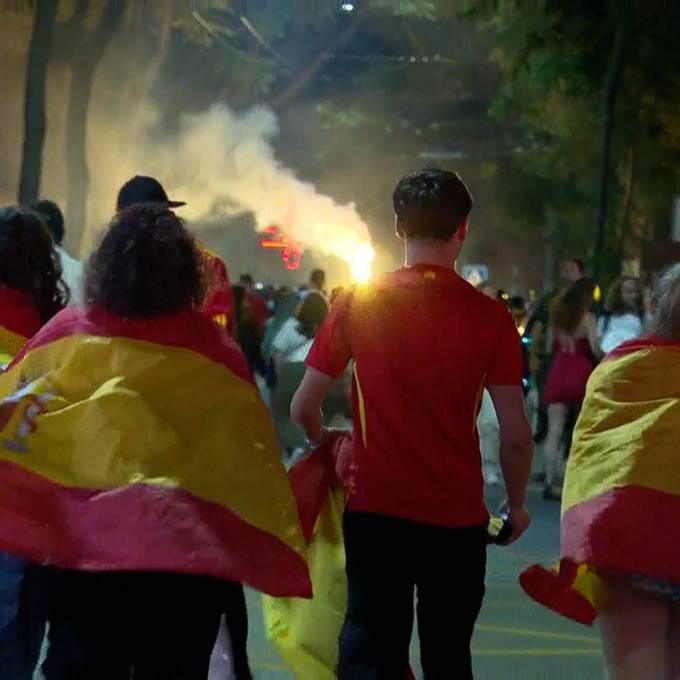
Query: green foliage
424	9
552	58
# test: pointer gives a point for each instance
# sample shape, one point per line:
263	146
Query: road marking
530	632
536	652
499	604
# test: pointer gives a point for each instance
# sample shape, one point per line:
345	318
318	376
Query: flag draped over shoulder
18	322
219	299
306	633
621	496
143	445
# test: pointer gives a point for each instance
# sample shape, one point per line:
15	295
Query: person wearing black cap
143	189
219	299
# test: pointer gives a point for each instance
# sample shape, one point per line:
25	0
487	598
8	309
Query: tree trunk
83	67
143	48
610	91
34	101
627	203
550	230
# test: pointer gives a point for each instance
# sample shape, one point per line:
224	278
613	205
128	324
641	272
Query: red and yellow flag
18	321
144	445
306	633
219	299
621	495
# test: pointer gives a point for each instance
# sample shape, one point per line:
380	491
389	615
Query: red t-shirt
424	344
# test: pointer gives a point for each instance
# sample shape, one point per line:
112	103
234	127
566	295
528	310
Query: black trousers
146	626
388	559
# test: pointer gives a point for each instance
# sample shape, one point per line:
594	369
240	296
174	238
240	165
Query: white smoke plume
220	159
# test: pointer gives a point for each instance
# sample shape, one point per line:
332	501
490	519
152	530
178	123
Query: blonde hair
666	320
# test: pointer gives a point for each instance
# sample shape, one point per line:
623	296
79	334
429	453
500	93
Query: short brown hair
431	204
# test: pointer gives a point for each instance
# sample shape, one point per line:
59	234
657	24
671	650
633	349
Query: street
514	638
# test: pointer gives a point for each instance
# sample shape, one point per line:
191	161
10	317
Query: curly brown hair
29	262
146	265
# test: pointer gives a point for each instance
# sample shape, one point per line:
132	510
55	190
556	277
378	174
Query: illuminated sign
291	252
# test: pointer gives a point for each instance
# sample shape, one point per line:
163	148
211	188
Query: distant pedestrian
291	347
575	346
256	303
624	317
72	269
247	331
316	285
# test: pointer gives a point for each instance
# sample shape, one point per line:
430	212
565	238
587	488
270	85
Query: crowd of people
565	334
142	481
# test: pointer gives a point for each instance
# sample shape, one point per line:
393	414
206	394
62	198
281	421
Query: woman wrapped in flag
137	460
31	292
621	503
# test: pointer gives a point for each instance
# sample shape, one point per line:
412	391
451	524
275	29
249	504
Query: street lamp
347	7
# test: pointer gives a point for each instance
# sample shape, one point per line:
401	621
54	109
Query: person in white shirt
316	286
625	314
72	269
291	346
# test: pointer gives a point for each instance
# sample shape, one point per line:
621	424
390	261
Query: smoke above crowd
222	163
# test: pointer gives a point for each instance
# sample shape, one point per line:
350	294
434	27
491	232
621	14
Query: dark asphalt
515	638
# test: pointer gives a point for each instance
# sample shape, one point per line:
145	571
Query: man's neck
430	252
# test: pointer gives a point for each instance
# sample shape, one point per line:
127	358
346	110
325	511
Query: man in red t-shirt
424	344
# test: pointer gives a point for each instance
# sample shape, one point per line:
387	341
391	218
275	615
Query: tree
84	62
610	91
34	102
590	120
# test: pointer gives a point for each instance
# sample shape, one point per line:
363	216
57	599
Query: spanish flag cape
219	298
143	445
18	322
621	498
306	633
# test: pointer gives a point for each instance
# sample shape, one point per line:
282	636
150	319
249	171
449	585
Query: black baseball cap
143	189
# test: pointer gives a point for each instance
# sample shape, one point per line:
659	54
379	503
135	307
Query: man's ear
462	231
399	228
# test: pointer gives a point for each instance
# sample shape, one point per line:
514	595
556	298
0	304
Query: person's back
418	383
149	406
424	345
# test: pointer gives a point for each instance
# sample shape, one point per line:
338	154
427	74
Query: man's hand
520	520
